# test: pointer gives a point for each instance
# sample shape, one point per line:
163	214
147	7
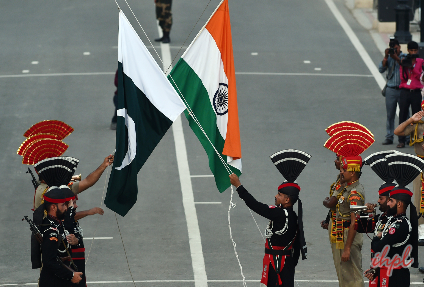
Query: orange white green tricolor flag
205	77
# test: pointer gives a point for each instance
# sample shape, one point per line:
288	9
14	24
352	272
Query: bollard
402	33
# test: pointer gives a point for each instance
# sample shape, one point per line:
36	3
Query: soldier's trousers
164	14
349	273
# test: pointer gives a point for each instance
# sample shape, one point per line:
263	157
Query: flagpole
204	26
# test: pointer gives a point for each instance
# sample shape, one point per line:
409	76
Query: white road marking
205	175
186	281
307	62
317	69
97	238
304	74
194	239
25	71
34	62
358	46
57	74
254	54
237	73
86	53
211	202
183	48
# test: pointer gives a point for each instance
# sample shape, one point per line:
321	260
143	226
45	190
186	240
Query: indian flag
205	78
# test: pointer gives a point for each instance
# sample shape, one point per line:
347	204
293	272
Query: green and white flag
147	107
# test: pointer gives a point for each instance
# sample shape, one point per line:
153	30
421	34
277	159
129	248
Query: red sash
78	254
269	260
382	278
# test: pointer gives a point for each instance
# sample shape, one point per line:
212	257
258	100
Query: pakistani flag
206	77
147	107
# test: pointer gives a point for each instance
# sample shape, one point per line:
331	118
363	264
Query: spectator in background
410	92
391	64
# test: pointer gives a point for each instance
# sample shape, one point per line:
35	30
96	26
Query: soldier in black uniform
399	235
54	246
378	164
284	233
78	250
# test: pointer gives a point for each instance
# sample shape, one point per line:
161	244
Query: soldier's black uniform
77	251
285	239
376	225
53	272
281	243
396	234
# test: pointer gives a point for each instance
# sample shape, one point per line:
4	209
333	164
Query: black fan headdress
57	171
405	168
290	163
378	163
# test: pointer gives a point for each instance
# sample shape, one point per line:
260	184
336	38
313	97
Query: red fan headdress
346	125
54	127
42	149
349	144
29	141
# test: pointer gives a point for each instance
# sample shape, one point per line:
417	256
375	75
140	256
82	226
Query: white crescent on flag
132	139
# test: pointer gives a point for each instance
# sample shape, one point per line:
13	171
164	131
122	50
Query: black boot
159	39
165	38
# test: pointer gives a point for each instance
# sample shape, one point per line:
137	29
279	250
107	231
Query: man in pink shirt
410	85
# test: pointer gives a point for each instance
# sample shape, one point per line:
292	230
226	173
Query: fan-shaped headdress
349	140
44	140
57	172
58	128
346	126
378	163
405	168
290	163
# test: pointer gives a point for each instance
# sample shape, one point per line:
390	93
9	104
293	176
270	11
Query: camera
407	61
391	47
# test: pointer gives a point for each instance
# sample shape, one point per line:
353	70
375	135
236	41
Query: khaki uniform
349	273
164	14
416	133
42	189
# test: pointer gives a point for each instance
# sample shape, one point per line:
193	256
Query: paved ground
283	103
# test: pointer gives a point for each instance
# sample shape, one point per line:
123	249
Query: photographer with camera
410	86
391	63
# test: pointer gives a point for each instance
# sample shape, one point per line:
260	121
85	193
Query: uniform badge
392	230
341	199
53	238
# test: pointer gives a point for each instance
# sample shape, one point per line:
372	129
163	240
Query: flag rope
232	205
101	204
125	251
119	229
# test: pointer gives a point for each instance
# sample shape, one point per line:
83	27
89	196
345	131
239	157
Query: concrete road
297	73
